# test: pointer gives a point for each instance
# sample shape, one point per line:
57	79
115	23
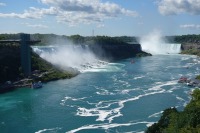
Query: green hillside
10	65
186	121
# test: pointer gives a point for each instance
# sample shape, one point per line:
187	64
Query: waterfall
163	48
155	43
70	56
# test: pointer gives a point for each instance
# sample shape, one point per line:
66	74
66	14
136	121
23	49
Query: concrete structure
25	51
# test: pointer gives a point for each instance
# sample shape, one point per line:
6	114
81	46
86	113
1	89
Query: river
118	97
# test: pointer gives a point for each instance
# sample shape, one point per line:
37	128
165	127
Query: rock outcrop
187	46
117	52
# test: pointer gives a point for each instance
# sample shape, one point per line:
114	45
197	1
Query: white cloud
174	7
75	12
190	26
2	4
100	25
40	26
32	13
89	6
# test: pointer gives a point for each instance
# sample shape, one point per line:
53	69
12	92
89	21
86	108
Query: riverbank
11	71
188	119
128	95
192	50
104	47
34	78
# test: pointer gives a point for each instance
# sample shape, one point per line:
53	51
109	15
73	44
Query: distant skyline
104	17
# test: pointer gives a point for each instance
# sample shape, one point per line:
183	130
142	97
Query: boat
194	83
183	80
132	61
37	85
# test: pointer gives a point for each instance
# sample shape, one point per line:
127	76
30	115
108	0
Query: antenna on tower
93	32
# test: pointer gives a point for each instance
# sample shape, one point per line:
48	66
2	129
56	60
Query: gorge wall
187	46
117	52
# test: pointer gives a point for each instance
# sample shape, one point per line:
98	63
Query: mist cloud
68	56
155	43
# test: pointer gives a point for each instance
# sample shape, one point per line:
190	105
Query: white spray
69	56
155	44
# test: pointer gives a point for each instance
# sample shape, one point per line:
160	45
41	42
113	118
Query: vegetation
10	62
198	77
186	121
10	53
143	54
127	39
190	43
187	39
50	71
183	39
192	51
10	65
51	39
9	36
105	40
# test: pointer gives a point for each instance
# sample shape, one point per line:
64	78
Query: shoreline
44	77
27	82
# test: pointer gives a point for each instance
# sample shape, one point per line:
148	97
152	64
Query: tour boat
37	85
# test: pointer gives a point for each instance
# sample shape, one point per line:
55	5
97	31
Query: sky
100	17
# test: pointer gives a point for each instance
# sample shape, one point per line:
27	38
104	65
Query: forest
174	121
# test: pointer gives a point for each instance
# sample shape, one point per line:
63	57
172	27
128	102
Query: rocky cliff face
117	52
187	46
10	62
11	70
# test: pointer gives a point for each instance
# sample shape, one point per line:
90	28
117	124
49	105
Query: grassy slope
191	52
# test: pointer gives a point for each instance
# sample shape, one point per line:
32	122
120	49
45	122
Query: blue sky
105	17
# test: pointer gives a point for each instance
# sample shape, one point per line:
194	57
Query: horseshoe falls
154	43
162	48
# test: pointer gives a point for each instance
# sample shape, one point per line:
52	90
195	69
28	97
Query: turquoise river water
121	97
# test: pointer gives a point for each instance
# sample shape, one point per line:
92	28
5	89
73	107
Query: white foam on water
106	126
149	124
103	113
179	98
159	87
124	83
45	130
72	99
102	91
156	114
173	88
126	91
100	66
185	58
105	92
76	57
139	77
